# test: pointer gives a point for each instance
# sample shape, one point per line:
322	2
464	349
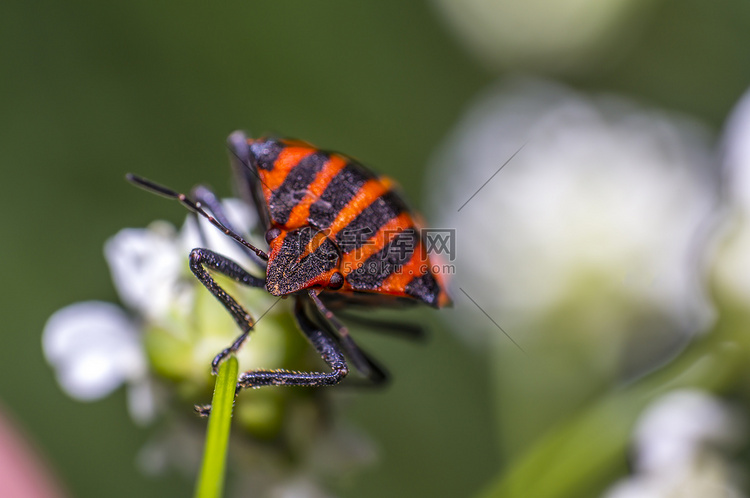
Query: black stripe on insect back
368	222
338	193
294	187
424	288
380	265
266	152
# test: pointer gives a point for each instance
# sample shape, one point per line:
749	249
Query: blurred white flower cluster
95	347
598	214
161	349
681	449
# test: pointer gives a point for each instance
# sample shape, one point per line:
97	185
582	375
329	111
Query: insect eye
272	234
336	281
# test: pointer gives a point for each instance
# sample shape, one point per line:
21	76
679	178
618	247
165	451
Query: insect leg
200	259
361	361
323	344
406	330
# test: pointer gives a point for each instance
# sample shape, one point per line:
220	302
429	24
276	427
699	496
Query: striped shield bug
338	236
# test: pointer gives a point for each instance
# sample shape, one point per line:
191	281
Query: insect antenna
194	206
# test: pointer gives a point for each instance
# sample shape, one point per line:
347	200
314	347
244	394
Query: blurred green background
91	91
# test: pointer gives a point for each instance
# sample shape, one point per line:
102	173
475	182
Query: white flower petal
242	219
91	376
146	265
242	216
678	426
93	347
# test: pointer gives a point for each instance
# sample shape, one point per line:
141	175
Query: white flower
680	448
94	348
599	210
147	265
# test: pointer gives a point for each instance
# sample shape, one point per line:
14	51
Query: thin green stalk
211	479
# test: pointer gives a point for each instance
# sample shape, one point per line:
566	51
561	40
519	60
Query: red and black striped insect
339	235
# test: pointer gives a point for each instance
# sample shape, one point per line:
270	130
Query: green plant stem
211	479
